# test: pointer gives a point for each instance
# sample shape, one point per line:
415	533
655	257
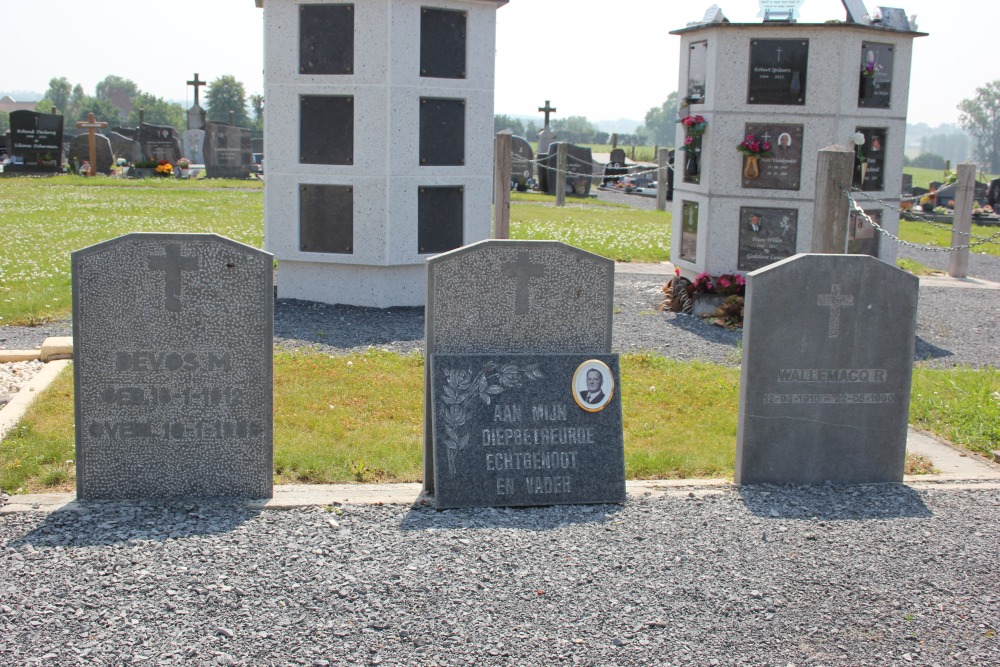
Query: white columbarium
800	88
379	142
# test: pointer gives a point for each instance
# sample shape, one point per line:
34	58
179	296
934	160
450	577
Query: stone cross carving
779	54
92	126
548	109
172	264
835	302
522	269
197	84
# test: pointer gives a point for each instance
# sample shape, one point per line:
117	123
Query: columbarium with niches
770	96
379	135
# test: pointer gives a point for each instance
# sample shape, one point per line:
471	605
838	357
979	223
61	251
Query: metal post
834	173
961	223
562	157
663	159
501	185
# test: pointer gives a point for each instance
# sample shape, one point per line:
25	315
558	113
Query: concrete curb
54	347
13	411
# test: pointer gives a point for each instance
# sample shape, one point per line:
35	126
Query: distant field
922	177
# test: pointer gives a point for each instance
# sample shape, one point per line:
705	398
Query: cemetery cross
547	109
197	84
172	264
835	302
92	126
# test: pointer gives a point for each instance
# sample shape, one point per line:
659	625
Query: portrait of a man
593	394
755	222
593	385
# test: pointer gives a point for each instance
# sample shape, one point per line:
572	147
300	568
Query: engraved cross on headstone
197	84
172	263
766	136
779	54
522	269
548	109
835	302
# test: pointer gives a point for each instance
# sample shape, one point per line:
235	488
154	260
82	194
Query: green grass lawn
917	231
922	177
359	418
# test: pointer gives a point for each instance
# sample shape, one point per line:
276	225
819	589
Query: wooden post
501	185
663	159
961	222
834	172
614	141
561	159
232	118
91	126
142	116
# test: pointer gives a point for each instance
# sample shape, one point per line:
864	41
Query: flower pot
691	166
183	172
751	167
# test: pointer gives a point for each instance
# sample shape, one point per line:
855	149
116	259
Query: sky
593	58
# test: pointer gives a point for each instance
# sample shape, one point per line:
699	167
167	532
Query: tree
111	84
4	121
929	161
531	130
575	129
980	117
257	105
226	94
58	94
157	111
660	122
102	110
502	122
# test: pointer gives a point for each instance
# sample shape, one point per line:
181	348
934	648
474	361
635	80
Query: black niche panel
442	43
442	132
440	218
326	219
326	39
778	71
875	78
326	129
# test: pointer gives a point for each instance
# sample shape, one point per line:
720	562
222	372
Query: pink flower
723	282
750	139
688	141
677	271
766	146
755	147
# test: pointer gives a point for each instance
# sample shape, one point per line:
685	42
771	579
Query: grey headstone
173	367
193	146
827	361
195	118
501	296
521	166
227	151
158	142
79	151
122	146
515	430
545	138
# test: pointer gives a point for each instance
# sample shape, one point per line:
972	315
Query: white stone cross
835	302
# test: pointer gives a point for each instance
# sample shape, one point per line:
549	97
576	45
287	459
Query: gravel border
860	576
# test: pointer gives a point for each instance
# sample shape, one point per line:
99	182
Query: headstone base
353	284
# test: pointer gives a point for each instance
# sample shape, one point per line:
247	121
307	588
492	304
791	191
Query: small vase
751	167
691	166
185	172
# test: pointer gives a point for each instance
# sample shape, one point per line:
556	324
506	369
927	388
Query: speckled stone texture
827	361
515	296
173	368
515	430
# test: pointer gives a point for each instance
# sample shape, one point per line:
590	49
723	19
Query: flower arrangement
754	147
728	284
981	210
146	164
184	163
164	168
694	126
869	69
680	295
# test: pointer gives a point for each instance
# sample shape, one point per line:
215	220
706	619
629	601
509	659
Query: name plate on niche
778	71
521	430
783	170
173	368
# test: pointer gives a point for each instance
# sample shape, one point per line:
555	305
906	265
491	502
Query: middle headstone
825	382
227	151
158	142
527	297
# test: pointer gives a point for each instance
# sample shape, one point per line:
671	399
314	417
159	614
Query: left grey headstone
173	368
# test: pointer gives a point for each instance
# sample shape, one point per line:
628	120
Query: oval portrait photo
593	385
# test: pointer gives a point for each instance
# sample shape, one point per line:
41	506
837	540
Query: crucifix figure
172	264
197	84
548	109
835	302
522	269
92	126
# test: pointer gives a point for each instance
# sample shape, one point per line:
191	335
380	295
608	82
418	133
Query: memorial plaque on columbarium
767	235
516	430
783	170
514	297
173	368
869	174
875	77
825	381
778	71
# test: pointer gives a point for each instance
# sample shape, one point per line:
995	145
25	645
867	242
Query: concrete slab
13	411
10	356
56	347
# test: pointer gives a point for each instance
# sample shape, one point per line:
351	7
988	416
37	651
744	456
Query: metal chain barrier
911	215
888	234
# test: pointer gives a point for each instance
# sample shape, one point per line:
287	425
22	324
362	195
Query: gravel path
779	576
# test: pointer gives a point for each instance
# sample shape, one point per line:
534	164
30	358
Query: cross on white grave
197	84
522	269
172	264
835	302
547	109
92	126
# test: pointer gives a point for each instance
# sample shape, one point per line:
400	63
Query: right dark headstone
827	361
227	151
158	142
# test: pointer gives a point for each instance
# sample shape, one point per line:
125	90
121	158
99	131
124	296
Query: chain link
885	232
910	215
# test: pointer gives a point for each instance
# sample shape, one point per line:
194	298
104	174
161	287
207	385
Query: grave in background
828	346
158	142
173	368
226	151
35	142
514	297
